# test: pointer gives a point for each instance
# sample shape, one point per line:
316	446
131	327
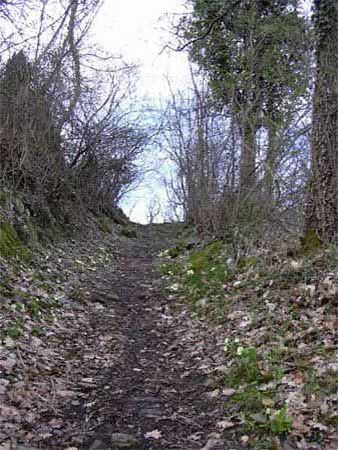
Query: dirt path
151	398
118	365
152	394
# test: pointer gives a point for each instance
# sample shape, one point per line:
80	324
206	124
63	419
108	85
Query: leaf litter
53	352
272	347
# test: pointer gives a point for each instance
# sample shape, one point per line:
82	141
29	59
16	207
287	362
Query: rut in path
155	385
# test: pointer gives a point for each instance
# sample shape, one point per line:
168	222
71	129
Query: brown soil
150	381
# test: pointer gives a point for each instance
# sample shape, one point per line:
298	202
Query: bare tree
201	149
68	133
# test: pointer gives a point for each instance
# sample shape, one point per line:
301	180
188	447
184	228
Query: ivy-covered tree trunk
254	55
248	157
270	165
322	211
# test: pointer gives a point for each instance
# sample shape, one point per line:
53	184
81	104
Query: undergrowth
278	316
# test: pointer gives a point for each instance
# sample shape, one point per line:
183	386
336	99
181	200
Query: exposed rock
151	413
6	446
104	297
122	440
98	445
23	448
214	444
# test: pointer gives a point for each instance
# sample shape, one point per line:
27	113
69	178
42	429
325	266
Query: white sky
138	30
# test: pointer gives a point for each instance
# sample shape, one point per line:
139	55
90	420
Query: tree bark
270	166
248	157
322	211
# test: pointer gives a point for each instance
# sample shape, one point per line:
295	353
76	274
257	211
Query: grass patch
200	276
14	330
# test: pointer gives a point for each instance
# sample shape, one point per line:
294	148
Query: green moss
209	254
105	225
14	330
248	261
265	444
250	399
4	198
171	269
176	251
10	243
310	243
129	231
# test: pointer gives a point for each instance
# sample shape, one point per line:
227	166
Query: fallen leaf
9	342
299	425
229	392
155	434
87	380
9	363
319	426
213	394
5	446
268	402
225	424
55	423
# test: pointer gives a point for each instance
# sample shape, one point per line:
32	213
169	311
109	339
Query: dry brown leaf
268	402
298	424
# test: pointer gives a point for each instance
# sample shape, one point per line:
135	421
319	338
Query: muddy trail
146	391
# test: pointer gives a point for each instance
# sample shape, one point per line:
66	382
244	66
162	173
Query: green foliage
249	373
280	422
246	367
37	331
259	418
206	272
267	36
34	307
265	444
200	275
250	399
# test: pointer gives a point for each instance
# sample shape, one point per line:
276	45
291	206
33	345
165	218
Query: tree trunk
248	157
270	166
321	211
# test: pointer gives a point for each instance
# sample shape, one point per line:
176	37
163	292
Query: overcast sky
138	30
